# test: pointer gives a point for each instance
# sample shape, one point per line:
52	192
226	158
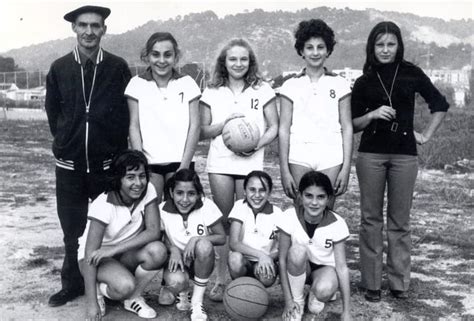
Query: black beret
71	16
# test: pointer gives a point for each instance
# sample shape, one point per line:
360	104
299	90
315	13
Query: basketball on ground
240	135
245	299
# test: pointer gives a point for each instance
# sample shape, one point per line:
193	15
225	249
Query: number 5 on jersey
328	243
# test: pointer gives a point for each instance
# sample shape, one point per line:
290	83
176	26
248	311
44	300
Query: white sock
297	286
198	290
103	289
140	272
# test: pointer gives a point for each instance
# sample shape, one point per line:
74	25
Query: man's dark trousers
73	191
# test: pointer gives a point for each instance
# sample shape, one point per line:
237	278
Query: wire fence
35	79
27	88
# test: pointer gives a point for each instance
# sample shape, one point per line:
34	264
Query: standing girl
193	226
164	114
312	248
119	252
383	106
236	90
315	115
253	230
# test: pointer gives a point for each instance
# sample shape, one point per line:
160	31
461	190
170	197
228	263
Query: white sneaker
183	301
298	315
100	301
198	313
314	305
138	306
166	297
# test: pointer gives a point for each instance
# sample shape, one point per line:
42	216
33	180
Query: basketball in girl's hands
241	135
245	299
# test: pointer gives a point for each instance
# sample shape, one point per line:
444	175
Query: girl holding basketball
311	246
253	230
315	130
163	104
193	226
236	90
119	252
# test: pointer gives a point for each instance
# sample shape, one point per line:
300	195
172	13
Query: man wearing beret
88	118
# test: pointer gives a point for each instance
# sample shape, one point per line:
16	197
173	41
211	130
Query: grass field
442	233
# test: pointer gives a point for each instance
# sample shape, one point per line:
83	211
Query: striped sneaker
198	313
183	301
137	305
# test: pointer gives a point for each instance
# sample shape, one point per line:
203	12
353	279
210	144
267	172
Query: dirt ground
31	242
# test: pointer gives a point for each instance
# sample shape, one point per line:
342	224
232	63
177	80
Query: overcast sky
24	23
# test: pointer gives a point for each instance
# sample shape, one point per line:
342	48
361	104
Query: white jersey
163	115
122	223
258	231
180	229
316	107
332	229
222	102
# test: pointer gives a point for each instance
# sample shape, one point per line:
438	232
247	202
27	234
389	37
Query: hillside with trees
200	35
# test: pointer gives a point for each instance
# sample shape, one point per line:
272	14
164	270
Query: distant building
348	73
8	90
37	93
458	79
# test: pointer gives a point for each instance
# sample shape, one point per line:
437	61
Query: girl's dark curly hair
314	28
126	160
220	76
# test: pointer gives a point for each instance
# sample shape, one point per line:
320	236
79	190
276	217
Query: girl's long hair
383	27
220	76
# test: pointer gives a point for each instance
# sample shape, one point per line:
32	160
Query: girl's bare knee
122	288
236	260
236	264
155	255
324	290
204	250
297	255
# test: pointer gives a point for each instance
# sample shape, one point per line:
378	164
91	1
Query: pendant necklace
389	94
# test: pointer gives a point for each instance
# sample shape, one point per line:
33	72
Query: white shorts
317	156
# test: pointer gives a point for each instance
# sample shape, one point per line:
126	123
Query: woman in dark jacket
383	105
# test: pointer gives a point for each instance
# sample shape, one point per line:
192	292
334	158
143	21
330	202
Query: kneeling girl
193	226
311	245
253	238
119	252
